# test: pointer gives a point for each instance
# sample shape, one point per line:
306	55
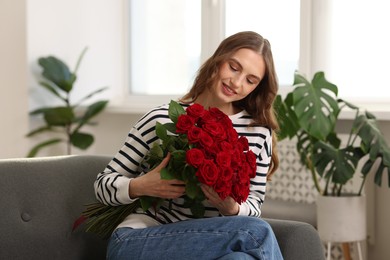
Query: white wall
13	79
64	28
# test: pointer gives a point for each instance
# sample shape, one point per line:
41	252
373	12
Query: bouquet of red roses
204	148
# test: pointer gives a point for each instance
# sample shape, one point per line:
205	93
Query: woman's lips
228	91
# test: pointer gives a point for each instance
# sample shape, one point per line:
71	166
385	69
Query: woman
240	80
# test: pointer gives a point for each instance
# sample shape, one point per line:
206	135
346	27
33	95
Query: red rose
184	123
251	159
225	174
223	159
215	129
244	142
194	134
221	117
240	192
236	159
205	139
194	157
195	111
232	135
226	146
244	174
208	173
223	188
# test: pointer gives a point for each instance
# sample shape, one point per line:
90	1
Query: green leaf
337	164
57	72
288	122
39	146
192	190
161	132
178	159
80	59
315	105
90	95
39	130
166	175
92	110
52	90
156	151
198	210
171	127
146	202
81	140
58	116
374	143
175	110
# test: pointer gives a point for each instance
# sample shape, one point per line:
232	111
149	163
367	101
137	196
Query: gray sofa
41	197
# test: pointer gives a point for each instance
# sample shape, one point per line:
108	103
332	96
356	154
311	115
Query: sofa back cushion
40	199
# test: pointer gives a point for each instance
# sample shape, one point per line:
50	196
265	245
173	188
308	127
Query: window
166	46
359	49
279	25
345	39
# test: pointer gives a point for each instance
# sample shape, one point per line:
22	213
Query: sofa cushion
40	199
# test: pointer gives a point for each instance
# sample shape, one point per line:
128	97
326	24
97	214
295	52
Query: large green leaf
315	104
175	110
58	116
57	72
373	143
337	164
288	122
81	140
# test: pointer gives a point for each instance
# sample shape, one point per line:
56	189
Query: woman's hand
226	207
151	184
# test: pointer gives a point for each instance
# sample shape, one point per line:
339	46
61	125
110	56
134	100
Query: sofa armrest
297	240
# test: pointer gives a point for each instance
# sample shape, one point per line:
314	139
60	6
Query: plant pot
341	219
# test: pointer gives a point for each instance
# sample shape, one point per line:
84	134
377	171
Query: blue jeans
224	238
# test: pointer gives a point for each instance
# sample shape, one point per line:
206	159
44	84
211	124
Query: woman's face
239	76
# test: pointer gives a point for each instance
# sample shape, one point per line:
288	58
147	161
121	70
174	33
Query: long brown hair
259	102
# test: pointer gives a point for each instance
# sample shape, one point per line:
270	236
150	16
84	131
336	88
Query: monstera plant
309	114
69	118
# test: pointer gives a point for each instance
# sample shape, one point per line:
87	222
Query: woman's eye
250	81
233	67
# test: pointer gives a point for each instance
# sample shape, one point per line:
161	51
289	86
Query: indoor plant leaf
57	72
50	88
338	164
92	110
39	146
90	95
287	118
39	130
59	116
81	140
314	106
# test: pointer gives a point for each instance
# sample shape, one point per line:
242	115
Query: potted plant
68	118
309	114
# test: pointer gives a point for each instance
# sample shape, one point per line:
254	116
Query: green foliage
309	113
68	118
177	168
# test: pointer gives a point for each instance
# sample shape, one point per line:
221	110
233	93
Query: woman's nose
237	80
